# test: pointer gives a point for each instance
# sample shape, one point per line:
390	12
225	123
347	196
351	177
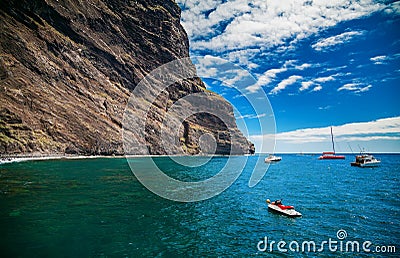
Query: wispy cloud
331	42
349	86
355	87
270	75
229	74
378	59
325	108
325	79
251	116
303	66
305	85
364	89
286	82
384	59
266	78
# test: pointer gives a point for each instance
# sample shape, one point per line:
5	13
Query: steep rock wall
67	69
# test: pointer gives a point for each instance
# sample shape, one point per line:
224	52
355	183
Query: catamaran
331	154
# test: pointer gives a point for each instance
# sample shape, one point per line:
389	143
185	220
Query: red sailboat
331	154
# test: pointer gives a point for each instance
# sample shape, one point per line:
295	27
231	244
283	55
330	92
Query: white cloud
349	86
378	58
364	89
372	138
325	79
382	129
240	24
270	75
197	23
235	76
253	88
250	116
229	74
393	8
328	43
384	59
336	68
283	84
305	85
355	87
303	66
317	88
324	108
243	57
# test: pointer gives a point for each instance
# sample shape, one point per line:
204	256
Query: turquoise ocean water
97	208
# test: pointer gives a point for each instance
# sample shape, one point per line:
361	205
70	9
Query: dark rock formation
67	69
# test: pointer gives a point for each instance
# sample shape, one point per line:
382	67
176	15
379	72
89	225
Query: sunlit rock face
68	68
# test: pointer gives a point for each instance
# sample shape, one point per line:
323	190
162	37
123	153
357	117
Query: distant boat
365	160
272	158
331	154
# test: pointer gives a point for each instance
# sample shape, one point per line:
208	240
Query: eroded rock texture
67	69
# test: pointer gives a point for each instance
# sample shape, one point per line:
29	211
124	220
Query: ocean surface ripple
96	207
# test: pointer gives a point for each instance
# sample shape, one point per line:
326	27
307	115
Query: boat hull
272	160
287	212
332	157
366	165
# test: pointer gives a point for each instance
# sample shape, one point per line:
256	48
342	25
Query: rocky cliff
67	69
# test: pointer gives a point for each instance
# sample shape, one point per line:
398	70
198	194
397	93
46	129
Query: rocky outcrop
67	69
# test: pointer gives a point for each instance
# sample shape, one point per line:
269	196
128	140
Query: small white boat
278	207
272	158
365	161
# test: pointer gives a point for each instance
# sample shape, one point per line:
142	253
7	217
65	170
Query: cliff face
67	69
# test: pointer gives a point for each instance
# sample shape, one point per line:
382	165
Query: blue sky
314	64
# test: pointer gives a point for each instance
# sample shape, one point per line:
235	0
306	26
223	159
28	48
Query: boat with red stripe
286	210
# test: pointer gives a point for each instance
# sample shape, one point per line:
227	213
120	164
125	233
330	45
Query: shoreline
42	157
24	158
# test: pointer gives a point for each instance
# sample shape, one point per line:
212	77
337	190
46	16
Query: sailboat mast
333	143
